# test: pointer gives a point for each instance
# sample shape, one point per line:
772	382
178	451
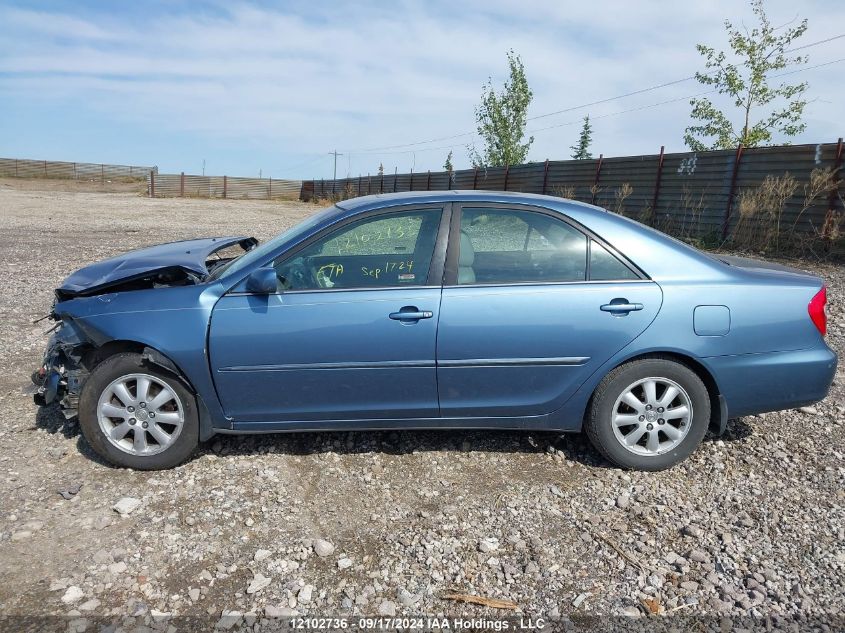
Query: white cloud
357	76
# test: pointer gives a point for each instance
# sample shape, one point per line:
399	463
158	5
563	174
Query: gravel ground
387	523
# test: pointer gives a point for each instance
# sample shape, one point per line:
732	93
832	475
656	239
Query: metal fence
25	168
691	194
185	185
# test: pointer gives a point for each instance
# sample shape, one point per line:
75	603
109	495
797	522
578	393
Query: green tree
745	79
581	150
501	119
448	166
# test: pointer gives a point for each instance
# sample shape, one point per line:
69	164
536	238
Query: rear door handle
411	313
621	307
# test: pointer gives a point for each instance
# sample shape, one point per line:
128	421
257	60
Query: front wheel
136	415
649	414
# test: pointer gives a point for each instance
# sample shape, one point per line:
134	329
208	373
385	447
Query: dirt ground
384	524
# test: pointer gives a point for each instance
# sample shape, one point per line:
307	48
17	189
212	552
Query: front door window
377	252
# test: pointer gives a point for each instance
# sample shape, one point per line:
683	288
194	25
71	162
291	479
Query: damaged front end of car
63	371
127	285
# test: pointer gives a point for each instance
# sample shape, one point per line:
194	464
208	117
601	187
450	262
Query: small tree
746	81
381	169
581	151
501	119
448	164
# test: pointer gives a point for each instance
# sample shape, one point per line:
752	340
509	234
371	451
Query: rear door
531	307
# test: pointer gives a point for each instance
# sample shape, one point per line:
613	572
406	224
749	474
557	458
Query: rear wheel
649	414
137	415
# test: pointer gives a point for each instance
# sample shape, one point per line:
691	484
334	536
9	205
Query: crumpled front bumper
61	375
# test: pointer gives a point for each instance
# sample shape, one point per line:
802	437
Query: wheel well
98	354
700	370
150	355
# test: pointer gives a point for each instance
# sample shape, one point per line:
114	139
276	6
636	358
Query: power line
583	105
618	113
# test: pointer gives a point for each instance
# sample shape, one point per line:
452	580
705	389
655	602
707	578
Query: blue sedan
457	309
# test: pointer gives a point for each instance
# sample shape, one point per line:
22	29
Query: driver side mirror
263	281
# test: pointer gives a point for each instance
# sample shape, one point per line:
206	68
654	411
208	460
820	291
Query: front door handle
621	307
411	313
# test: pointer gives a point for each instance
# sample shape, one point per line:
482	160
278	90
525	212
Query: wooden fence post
657	186
726	223
428	182
225	186
545	176
475	179
395	176
45	168
182	184
596	180
270	188
411	186
103	174
152	184
507	171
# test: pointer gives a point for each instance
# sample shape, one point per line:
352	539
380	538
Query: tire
154	435
639	437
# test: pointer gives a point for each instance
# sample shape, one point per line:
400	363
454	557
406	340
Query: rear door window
517	246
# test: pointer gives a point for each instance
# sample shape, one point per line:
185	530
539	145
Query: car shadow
736	430
52	420
572	447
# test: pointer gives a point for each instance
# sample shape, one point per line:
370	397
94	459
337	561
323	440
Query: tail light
817	312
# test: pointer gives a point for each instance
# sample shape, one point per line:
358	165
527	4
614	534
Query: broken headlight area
62	373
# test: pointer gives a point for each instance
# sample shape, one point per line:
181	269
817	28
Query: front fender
175	334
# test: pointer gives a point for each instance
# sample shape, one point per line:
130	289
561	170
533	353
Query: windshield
262	250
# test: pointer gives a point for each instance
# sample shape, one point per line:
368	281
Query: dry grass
620	196
564	191
767	222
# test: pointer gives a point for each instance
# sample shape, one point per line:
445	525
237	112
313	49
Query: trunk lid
771	270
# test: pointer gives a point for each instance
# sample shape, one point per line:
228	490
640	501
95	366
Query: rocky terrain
389	524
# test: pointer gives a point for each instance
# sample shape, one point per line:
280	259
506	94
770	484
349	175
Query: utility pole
335	154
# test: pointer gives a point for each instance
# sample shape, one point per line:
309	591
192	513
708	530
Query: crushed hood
187	258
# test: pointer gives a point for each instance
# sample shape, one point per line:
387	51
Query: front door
532	308
350	336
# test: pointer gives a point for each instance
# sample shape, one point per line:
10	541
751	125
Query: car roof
458	195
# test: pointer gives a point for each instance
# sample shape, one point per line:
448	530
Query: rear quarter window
604	266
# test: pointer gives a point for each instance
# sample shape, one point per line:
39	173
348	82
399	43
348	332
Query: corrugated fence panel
697	195
694	192
25	168
174	185
572	179
626	185
802	168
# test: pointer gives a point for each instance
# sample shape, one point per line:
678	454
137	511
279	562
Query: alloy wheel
652	416
140	414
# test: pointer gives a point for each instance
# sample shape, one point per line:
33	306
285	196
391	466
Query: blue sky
273	87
